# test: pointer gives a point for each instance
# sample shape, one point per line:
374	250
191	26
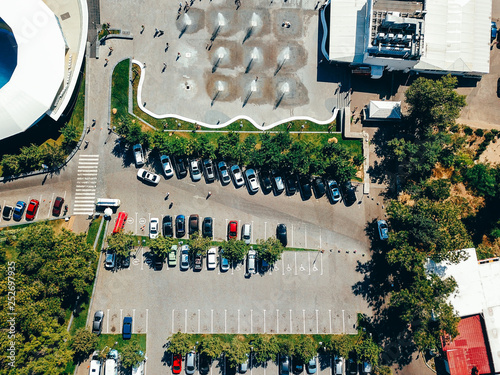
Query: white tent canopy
384	110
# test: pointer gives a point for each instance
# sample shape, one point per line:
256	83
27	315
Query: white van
107	202
95	367
110	366
246	233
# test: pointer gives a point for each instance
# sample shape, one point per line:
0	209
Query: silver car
253	185
167	166
190	366
224	174
195	170
237	176
138	155
184	258
251	261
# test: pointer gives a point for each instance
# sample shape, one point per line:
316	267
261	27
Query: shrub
479	132
468	130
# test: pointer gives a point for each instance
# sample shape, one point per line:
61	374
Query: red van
120	222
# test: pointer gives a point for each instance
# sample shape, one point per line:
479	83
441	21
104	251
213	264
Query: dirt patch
492	154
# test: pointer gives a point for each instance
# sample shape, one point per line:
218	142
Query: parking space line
264	321
291	330
199	321
251	321
309	261
185	321
51	200
133	319
295	253
225	321
277	322
283	266
265	230
321	259
64	194
136	223
317	322
304	320
238	321
343	321
142	258
107	321
305	236
2	206
121	320
252	231
330	314
173	321
292	235
212	321
147	315
320	238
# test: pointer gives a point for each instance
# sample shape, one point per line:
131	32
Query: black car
167	226
264	266
180	226
291	184
281	234
158	262
349	193
180	163
207	227
297	366
204	364
498	87
124	261
7	212
305	188
265	182
319	187
194	224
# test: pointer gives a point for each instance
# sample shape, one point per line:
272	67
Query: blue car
224	262
19	210
493	30
127	328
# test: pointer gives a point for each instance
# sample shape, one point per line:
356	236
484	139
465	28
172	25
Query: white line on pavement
147	315
321	258
304	320
173	321
320	238
185	321
107	321
142	259
212	321
282	266
238	321
264	321
343	321
330	314
305	237
133	319
121	320
295	253
317	322
251	321
309	261
277	322
225	321
291	330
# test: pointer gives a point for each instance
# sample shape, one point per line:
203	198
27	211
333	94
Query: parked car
383	230
154	227
158	262
127	328
177	364
349	193
251	261
124	261
237	176
181	167
212	258
110	259
291	184
253	185
232	230
319	187
208	169
278	184
207	227
333	192
243	367
281	234
352	367
305	188
246	233
58	205
7	212
297	366
167	226
19	210
138	155
97	322
194	223
284	365
172	256
167	166
338	365
204	364
184	257
139	368
194	168
265	182
190	363
111	364
365	368
493	30
198	262
148	177
264	266
224	262
32	209
311	366
223	173
180	226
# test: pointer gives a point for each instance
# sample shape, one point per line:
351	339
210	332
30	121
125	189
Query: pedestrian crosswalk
86	182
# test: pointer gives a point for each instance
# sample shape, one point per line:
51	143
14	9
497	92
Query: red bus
120	222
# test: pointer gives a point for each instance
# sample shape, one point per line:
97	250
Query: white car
251	261
147	176
154	226
253	185
212	258
237	176
139	368
138	155
184	257
167	166
195	170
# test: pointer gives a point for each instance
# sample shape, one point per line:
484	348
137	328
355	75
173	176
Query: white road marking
304	319
330	314
291	329
238	321
251	321
321	258
264	321
309	261
305	237
121	320
320	238
212	321
147	315
199	321
185	321
142	258
225	321
343	321
173	321
295	253
277	322
317	322
133	319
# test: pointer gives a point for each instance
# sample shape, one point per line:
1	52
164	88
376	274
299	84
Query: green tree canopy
199	244
131	354
161	246
236	352
179	343
121	243
211	346
265	348
83	343
270	250
234	250
305	349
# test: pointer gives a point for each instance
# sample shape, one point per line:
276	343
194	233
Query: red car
58	203
32	209
177	365
232	230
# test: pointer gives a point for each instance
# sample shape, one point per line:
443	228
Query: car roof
127	319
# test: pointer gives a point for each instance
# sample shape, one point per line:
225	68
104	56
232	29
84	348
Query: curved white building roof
39	73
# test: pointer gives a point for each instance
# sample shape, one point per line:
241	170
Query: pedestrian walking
144	65
178	55
107	61
209	194
166	46
168	194
171	204
256	78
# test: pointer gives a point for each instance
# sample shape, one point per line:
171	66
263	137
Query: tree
340	344
228	146
211	346
131	131
247	148
199	245
368	351
121	243
305	349
286	346
161	246
270	250
132	354
236	352
84	343
10	165
298	158
179	343
52	155
481	179
265	348
235	250
70	135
